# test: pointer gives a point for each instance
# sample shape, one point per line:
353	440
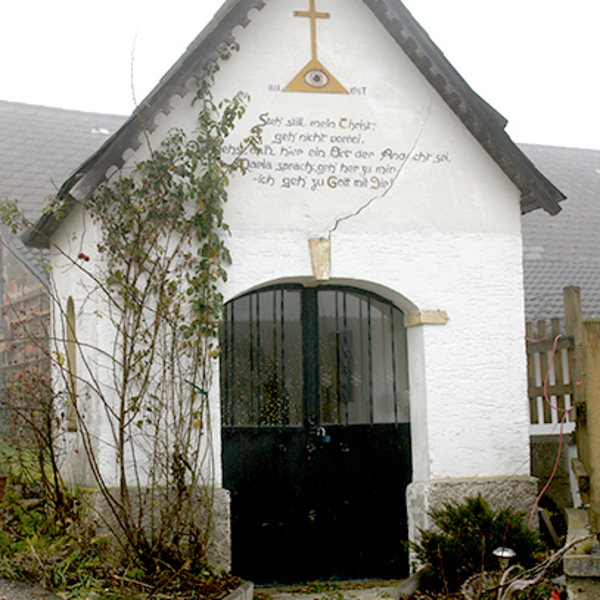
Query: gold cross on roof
314	77
313	15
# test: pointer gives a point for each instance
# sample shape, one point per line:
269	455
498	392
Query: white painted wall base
219	546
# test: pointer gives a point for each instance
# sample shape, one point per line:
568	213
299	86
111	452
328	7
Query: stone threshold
244	592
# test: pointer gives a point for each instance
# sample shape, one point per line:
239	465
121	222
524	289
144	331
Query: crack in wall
374	199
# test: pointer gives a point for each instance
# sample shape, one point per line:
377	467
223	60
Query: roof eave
484	122
93	171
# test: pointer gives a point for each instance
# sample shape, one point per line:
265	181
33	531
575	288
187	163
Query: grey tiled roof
565	249
40	147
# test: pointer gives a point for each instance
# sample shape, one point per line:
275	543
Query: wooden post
574	329
559	376
542	333
531	378
591	347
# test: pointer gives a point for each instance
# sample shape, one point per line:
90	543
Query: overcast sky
536	62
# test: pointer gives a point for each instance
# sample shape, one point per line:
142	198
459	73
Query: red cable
562	422
556	464
546	397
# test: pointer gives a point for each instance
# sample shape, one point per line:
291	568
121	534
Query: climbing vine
153	277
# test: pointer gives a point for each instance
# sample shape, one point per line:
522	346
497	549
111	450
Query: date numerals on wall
354	91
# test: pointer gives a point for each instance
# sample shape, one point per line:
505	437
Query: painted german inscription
334	153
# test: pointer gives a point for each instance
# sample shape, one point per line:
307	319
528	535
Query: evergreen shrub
464	537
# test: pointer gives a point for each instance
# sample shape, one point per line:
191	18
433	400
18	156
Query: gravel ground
376	593
342	591
12	590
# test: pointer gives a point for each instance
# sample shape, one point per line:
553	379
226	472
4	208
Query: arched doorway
315	433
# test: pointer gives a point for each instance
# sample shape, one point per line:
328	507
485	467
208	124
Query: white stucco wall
412	205
445	234
78	237
78	272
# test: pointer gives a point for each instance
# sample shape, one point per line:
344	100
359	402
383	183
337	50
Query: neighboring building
559	252
374	318
564	250
39	148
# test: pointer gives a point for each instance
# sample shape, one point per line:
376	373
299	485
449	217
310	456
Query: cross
313	15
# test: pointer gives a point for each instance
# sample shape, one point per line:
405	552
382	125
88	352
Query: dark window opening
295	356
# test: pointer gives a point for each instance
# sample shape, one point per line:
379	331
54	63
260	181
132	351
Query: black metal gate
316	440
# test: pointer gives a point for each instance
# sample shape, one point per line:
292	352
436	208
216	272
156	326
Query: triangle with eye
314	77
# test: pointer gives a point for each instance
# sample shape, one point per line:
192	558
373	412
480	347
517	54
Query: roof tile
39	148
565	249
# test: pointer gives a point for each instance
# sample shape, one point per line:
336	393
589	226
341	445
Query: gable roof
564	250
39	148
486	125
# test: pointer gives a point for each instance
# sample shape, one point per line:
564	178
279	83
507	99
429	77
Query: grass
61	553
